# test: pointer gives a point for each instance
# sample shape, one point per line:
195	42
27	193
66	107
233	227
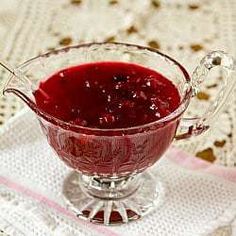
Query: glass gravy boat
109	184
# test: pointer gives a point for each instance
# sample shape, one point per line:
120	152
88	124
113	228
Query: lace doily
186	30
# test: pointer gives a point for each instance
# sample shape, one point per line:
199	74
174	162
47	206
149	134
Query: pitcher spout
19	85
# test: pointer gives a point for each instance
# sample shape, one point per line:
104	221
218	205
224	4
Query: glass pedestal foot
113	200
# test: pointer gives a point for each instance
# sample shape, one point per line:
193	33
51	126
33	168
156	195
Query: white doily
195	203
185	30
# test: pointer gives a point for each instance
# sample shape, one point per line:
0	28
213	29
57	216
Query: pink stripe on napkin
183	159
175	155
51	204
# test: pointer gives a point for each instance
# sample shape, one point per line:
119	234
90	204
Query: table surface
158	24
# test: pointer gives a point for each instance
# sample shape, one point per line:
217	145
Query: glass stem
110	188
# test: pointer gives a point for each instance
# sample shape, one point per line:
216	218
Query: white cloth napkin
31	177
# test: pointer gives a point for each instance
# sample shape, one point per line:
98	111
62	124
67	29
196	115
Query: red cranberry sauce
108	95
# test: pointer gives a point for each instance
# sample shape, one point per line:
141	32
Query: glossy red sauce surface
107	95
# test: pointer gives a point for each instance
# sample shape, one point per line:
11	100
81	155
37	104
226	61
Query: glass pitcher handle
194	126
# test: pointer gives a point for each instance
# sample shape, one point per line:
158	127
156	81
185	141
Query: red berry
127	104
120	78
139	95
107	119
79	121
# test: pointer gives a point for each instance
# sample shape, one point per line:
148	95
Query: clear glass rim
176	113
